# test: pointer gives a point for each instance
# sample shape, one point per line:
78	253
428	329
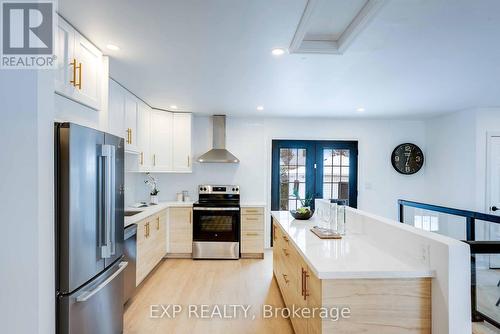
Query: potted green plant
152	183
304	212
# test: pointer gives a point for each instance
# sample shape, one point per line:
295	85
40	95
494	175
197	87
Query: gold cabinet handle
154	159
252	219
130	136
252	234
305	276
73	79
285	278
189	162
79	85
145	230
142	158
157	223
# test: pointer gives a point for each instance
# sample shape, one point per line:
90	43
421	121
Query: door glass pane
292	177
335	174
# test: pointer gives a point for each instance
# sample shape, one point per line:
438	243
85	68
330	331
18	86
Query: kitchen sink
131	213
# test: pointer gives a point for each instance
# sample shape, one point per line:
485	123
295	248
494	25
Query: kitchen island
381	277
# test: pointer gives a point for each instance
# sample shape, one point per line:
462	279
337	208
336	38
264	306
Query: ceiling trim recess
300	45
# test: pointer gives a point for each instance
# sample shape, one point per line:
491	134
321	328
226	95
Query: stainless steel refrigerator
89	166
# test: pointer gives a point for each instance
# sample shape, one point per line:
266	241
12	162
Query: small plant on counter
151	182
305	211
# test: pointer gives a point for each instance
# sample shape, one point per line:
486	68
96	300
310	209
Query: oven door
216	224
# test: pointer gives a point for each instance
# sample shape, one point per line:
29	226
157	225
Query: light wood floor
483	328
184	281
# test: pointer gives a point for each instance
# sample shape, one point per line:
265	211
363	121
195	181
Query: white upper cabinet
143	136
116	109
181	157
131	103
89	69
65	49
161	140
80	67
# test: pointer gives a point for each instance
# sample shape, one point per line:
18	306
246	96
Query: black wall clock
407	159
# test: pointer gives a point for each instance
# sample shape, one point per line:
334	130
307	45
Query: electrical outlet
424	253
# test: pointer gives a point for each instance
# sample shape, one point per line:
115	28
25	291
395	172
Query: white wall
250	140
456	155
26	194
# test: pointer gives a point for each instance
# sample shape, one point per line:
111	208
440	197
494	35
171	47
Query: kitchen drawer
252	211
252	242
252	223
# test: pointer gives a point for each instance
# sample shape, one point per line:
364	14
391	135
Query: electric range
216	222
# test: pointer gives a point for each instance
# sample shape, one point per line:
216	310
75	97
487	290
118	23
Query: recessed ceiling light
173	107
360	109
113	47
278	52
260	108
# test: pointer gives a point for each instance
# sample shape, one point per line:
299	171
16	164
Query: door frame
313	145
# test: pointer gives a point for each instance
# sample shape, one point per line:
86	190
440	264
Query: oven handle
215	209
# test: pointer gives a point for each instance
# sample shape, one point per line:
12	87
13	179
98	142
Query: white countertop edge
151	210
356	274
374	274
253	204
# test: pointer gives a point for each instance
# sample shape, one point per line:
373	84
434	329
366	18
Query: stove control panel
213	189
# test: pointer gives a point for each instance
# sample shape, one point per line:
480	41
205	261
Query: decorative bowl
305	215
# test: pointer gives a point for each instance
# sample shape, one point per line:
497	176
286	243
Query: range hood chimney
219	153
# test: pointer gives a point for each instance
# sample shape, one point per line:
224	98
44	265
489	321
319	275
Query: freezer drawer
95	308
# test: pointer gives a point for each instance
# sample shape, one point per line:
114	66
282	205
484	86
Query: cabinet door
88	75
143	136
142	251
130	122
116	109
161	140
160	236
181	158
180	230
65	49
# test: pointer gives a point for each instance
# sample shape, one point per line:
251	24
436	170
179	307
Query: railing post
401	212
471	229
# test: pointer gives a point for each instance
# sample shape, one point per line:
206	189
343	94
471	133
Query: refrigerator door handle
108	152
86	295
112	207
100	205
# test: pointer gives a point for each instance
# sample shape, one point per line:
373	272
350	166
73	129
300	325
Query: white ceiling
415	58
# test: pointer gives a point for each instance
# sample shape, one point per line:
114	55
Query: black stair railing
487	308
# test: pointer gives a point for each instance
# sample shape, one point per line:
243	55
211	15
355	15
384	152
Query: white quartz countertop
354	256
151	210
253	205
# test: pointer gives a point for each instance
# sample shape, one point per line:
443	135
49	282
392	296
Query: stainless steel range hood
219	153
